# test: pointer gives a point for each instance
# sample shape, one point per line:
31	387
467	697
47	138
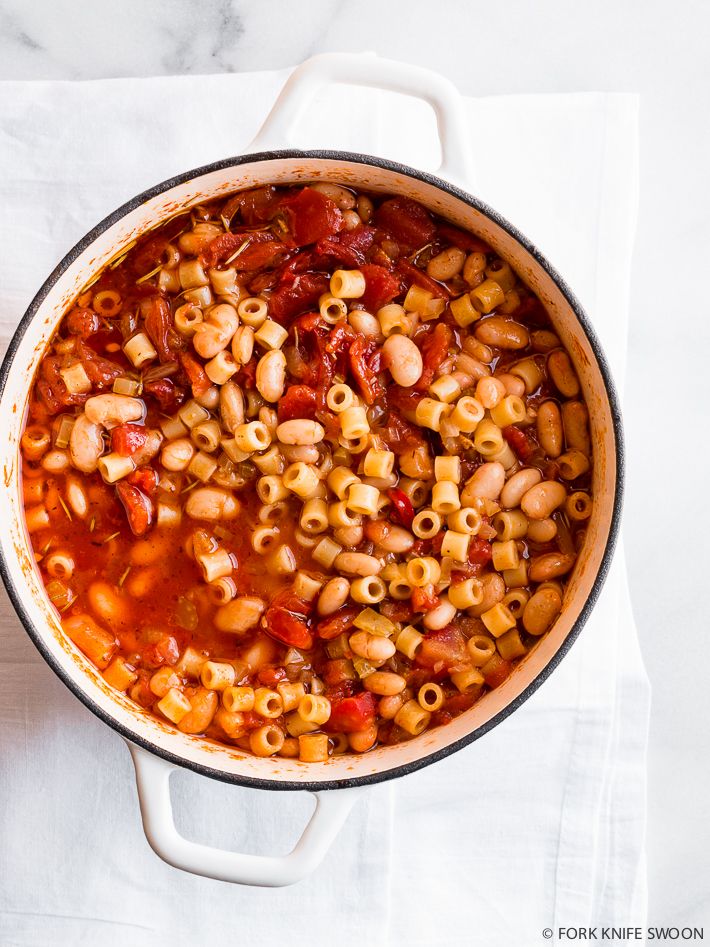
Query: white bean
85	444
211	503
231	406
518	485
113	409
403	359
541	500
487	482
441	616
345	199
445	265
333	595
357	563
271	375
371	647
300	431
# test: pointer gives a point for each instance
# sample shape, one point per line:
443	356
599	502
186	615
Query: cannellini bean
113	409
300	431
348	536
85	444
177	454
345	199
271	375
513	384
365	323
471	366
351	219
358	563
549	428
384	683
518	485
550	566
490	391
361	740
543	340
55	461
209	340
365	208
333	596
77	498
204	706
575	421
492	591
541	610
502	333
389	707
388	537
562	373
211	503
417	463
487	482
231	406
440	616
403	359
147	452
447	264
543	499
243	344
371	647
542	531
473	268
300	453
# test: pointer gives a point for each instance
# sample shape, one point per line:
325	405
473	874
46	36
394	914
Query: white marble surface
518	46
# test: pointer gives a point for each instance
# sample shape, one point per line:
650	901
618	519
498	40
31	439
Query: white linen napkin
538	825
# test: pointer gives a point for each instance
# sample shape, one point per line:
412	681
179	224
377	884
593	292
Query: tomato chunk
442	649
247	251
145	478
435	348
256	207
496	670
165	392
479	551
82	322
300	401
296	293
337	623
161	649
424	598
286	621
364	364
381	286
352	714
196	373
126	439
348	248
412	275
311	216
519	441
158	323
462	240
403	510
138	507
409	223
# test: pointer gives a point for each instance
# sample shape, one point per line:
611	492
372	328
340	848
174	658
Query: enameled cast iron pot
156	748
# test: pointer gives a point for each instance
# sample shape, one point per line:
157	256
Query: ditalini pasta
306	471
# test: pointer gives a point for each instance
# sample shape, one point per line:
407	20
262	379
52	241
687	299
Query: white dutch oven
156	748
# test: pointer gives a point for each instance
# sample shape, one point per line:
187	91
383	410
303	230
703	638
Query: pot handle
153	782
367	69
